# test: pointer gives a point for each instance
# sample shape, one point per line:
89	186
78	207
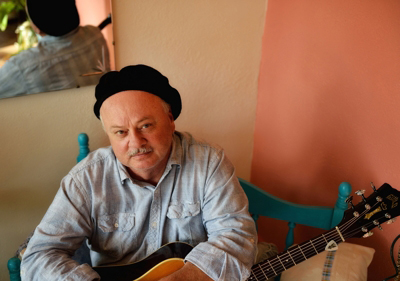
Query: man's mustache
139	151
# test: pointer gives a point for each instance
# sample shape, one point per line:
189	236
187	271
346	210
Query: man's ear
171	117
172	121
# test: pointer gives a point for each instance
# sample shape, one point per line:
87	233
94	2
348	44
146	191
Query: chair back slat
261	203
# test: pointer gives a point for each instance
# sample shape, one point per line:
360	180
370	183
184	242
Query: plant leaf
5	9
3	23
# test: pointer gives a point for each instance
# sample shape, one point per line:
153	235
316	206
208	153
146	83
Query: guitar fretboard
299	253
277	264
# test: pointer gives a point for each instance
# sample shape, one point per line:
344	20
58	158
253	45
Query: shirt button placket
154	219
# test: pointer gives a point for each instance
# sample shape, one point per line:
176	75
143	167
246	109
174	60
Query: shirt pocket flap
183	210
115	222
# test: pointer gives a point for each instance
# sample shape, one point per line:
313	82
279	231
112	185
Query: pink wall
328	107
93	12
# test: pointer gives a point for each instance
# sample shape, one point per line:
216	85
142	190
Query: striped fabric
326	272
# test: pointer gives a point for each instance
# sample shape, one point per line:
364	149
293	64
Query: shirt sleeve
230	250
60	233
11	80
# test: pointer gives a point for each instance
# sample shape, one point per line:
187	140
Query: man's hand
188	272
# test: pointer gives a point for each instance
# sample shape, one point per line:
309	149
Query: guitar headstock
380	207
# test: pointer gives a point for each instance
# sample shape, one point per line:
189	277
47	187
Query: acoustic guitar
358	221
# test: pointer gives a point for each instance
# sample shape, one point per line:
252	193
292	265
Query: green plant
27	38
8	7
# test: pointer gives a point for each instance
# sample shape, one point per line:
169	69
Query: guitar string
287	256
314	245
306	249
259	274
317	245
263	275
275	263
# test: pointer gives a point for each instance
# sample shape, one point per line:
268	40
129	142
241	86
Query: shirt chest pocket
185	223
183	210
117	222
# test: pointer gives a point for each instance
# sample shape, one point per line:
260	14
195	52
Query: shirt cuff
216	263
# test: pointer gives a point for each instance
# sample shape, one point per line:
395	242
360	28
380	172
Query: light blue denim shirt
198	200
56	63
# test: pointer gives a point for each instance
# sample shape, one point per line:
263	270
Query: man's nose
136	140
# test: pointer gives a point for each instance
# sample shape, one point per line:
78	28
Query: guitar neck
381	206
277	264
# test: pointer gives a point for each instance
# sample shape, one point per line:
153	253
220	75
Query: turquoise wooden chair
261	203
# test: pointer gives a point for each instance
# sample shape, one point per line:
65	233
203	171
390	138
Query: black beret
53	17
140	78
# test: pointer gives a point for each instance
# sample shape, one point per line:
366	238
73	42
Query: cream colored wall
211	52
38	147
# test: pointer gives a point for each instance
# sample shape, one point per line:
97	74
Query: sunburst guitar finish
163	262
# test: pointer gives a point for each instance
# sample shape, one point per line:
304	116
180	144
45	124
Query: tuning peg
376	222
361	193
391	221
349	201
388	216
373	186
368	234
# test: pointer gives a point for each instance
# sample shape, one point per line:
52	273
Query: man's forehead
130	97
132	105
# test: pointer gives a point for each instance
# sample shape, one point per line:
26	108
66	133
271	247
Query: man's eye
120	132
145	126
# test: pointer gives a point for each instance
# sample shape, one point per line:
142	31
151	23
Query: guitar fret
291	257
314	247
272	267
325	238
252	276
276	265
263	272
281	262
301	251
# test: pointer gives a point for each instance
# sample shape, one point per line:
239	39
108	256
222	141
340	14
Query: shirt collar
50	38
176	152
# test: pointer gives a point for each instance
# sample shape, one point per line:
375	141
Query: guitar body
163	262
162	269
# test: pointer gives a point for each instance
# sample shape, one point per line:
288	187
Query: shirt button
154	224
116	224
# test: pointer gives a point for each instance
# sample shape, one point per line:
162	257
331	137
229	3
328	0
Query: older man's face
136	121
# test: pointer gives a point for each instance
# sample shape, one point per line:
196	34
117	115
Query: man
65	55
153	186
